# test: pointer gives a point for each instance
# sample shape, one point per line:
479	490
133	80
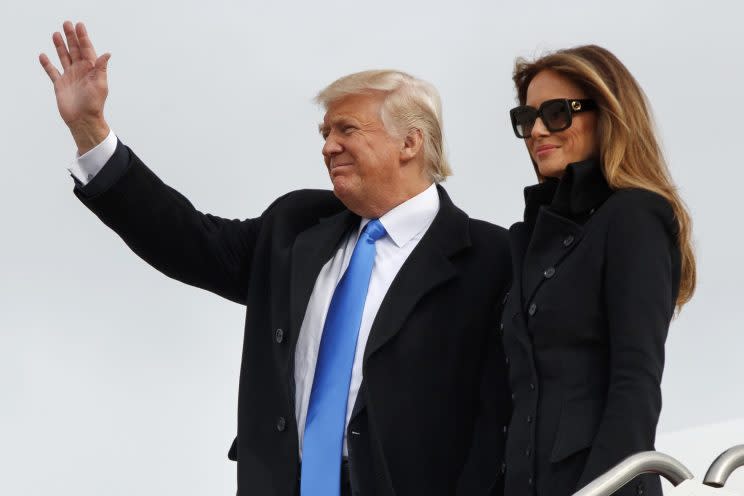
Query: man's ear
412	145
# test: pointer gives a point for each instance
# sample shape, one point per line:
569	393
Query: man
371	360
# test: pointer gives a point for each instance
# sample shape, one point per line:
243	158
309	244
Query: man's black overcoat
433	366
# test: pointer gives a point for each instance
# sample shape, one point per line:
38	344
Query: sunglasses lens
556	116
523	118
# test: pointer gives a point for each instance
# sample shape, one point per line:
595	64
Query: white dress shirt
406	224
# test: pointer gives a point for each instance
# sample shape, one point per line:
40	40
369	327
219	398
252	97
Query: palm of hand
81	91
82	88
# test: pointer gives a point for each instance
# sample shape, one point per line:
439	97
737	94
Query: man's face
362	158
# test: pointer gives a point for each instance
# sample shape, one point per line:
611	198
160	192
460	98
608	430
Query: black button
639	489
549	272
529	419
530	481
507	360
532	310
568	241
506	428
281	424
501	327
279	336
506	297
532	387
528	452
514	396
503	467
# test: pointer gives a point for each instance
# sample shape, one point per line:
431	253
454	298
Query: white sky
116	380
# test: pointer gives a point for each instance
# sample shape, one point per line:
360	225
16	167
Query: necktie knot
374	230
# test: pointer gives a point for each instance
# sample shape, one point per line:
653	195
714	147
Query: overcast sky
116	380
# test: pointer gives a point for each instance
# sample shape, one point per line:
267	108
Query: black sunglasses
555	114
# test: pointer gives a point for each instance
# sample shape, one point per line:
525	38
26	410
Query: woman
601	260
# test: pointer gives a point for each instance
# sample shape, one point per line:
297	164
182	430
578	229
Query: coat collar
582	188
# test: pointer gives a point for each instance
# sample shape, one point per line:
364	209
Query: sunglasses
555	114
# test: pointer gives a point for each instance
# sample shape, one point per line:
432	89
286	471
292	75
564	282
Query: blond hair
409	104
629	150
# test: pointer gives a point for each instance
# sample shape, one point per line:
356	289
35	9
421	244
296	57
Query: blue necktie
326	414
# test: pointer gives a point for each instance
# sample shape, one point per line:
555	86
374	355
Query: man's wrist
89	134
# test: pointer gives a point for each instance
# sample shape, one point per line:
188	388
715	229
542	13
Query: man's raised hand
82	87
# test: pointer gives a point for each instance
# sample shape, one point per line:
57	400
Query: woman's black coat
596	276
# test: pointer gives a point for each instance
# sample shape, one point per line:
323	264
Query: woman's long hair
629	151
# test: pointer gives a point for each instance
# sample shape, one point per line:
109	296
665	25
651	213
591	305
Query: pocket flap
576	428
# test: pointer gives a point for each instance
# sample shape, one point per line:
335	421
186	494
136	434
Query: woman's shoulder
629	207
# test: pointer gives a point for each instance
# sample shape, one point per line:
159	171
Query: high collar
582	188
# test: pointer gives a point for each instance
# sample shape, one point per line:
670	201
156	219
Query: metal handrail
724	465
640	463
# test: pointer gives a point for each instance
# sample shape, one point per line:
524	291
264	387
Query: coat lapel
547	248
427	267
519	237
311	250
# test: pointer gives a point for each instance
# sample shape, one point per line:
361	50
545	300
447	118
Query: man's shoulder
306	203
488	238
487	229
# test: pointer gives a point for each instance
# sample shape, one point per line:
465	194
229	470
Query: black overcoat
584	325
434	374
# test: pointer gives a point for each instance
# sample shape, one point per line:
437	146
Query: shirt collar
410	218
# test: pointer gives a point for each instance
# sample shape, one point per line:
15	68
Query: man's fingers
51	71
86	46
72	41
62	53
102	62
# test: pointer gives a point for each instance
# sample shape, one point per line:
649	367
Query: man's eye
349	129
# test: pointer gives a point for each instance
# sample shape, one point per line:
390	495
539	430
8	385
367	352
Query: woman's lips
544	150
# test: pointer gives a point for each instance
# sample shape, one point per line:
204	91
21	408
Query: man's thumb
102	62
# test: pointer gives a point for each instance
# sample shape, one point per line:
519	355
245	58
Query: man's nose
539	129
331	146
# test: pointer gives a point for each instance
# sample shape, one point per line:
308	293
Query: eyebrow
338	121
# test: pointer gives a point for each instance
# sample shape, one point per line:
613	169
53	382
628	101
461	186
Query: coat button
503	467
506	297
507	360
549	272
281	424
639	489
514	396
279	336
568	241
501	327
532	387
529	419
530	481
532	310
528	452
506	429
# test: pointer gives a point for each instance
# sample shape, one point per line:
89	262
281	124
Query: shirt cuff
86	166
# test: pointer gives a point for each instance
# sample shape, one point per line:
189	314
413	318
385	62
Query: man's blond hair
409	104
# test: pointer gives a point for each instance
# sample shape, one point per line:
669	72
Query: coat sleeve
163	227
640	287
